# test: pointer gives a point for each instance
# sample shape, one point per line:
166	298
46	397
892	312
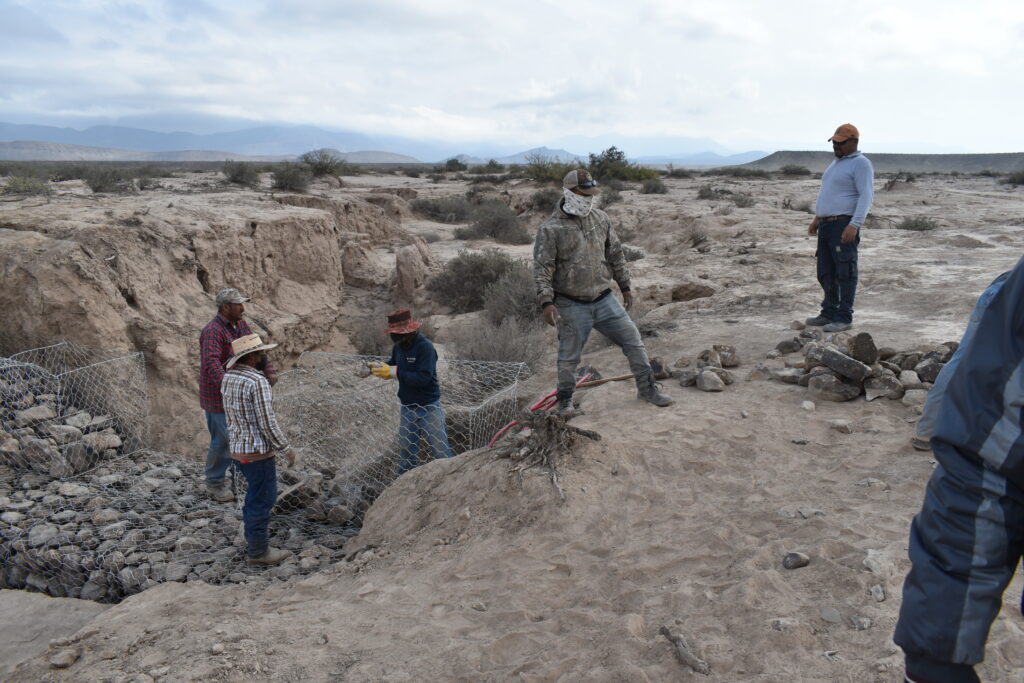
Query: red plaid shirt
214	351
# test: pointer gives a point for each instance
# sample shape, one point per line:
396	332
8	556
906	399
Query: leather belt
826	219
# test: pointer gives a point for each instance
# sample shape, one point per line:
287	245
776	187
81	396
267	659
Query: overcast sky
914	76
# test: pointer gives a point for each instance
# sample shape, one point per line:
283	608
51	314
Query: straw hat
243	346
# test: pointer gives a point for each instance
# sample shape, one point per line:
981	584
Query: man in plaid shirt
214	351
254	438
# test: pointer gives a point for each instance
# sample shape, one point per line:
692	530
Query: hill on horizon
892	163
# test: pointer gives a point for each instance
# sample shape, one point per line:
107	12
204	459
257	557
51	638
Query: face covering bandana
575	204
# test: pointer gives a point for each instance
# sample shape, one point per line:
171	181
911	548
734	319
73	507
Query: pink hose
543	404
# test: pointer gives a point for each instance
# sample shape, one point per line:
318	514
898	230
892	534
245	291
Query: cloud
21	25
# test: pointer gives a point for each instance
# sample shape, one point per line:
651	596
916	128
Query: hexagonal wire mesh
101	526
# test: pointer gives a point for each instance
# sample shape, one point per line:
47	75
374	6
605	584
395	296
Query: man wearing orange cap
847	188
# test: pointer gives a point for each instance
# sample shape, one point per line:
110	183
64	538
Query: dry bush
512	295
917	223
794	170
462	282
545	199
654	186
743	200
368	336
511	341
241	173
21	185
1015	178
443	209
291	177
610	196
495	220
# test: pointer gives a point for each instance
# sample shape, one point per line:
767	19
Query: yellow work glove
384	371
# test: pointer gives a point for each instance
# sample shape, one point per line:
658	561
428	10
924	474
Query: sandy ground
678	517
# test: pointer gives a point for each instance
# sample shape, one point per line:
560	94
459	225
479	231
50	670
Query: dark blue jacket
417	372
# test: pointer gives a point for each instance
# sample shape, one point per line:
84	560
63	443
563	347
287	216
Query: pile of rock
43	431
843	366
708	372
127	526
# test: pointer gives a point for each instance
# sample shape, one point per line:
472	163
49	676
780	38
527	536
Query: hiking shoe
817	321
837	327
219	493
272	556
921	444
565	409
650	391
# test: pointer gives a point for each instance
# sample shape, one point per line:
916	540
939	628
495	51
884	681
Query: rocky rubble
708	372
127	526
843	366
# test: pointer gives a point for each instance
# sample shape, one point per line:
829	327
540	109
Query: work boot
817	321
565	409
650	391
837	327
219	493
921	444
272	556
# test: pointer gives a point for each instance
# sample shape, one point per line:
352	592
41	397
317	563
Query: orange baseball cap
844	133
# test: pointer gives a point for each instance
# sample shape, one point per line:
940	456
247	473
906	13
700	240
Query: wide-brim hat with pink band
401	322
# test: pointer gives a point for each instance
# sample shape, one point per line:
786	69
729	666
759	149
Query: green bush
794	170
739	172
494	219
545	199
291	177
437	177
545	169
711	192
673	172
454	164
491	166
1015	178
462	282
107	179
743	200
988	173
323	162
917	223
512	295
612	163
654	186
411	173
443	209
20	185
241	173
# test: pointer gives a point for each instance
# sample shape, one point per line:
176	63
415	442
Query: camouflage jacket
577	257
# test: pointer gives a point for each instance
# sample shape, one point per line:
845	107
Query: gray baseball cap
230	296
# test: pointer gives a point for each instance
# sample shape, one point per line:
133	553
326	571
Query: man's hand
551	314
272	378
812	229
289	455
383	370
849	234
627	300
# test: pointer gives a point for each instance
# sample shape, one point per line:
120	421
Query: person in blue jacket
413	363
967	540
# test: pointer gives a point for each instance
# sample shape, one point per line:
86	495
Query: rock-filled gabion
843	366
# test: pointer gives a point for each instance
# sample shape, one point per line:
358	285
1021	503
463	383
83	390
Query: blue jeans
607	316
926	425
837	271
260	496
426	422
218	457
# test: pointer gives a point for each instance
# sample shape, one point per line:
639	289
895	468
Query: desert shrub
20	185
654	186
323	162
609	196
989	173
694	235
443	209
480	193
673	172
743	200
490	179
241	173
739	172
368	336
106	179
512	295
794	170
411	173
437	177
491	166
612	163
711	192
462	282
724	210
917	223
454	164
545	169
1015	178
545	199
431	237
511	341
495	220
292	177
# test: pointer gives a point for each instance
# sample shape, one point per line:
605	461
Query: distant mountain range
892	163
277	142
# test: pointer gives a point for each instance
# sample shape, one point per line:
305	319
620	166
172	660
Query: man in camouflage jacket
577	257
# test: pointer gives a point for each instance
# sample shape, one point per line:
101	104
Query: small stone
11	517
928	369
841	426
797	325
73	490
788	375
479	606
831	615
744	414
308	563
862	347
30	416
760	372
65	658
101	441
831	388
709	381
79	420
887	386
688	377
840	363
783	623
41	534
773	354
807	405
860	623
217	649
886	352
877	563
176	571
789	346
878	593
105	516
795	560
727	354
64	433
708	359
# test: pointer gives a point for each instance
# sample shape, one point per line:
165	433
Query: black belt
585	301
827	219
